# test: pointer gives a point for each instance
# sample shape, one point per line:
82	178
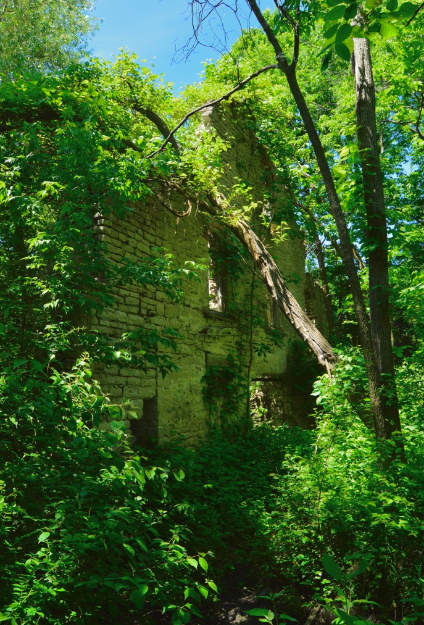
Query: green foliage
88	534
88	531
224	389
337	497
94	531
344	21
46	34
61	173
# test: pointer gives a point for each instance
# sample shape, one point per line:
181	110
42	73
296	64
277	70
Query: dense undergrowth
94	531
274	501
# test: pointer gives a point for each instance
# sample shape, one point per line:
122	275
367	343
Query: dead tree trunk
276	285
282	295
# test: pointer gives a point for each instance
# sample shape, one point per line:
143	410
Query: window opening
217	279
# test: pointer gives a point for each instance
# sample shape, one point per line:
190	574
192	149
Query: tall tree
42	34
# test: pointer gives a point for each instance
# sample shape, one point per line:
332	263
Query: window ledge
217	314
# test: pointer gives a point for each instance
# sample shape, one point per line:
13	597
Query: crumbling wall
174	406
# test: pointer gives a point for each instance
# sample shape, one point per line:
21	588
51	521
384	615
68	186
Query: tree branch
279	54
227	95
160	124
296	46
420	8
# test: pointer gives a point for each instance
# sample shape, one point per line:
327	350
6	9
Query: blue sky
152	29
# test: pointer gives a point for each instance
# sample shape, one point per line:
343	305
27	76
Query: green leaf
407	9
392	5
203	591
43	537
179	475
138	599
4	618
213	586
326	60
20	361
343	33
351	11
345	618
286	617
203	564
129	549
332	567
342	51
388	30
333	3
260	612
144	589
180	617
349	44
116	585
331	31
192	562
335	14
190	592
142	544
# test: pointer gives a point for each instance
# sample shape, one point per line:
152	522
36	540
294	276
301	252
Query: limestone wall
315	304
174	405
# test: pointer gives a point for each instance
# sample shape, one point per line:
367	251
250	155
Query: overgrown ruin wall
175	405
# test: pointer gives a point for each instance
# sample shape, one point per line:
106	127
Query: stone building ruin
225	321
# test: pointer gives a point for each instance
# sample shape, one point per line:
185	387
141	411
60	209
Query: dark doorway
146	429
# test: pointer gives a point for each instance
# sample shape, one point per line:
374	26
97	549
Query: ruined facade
230	329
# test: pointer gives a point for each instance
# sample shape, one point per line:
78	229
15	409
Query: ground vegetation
95	530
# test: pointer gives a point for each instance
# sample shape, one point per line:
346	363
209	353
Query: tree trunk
282	295
319	252
324	279
376	232
379	405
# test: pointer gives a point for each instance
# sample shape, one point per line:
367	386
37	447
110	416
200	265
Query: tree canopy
43	34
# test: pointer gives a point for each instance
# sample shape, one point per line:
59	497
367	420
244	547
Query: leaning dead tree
261	257
281	294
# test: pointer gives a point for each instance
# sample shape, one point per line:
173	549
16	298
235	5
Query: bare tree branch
227	95
174	212
215	36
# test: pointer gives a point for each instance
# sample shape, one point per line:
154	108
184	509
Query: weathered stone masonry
174	406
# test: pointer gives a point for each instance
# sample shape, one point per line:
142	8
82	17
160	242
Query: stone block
114	391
